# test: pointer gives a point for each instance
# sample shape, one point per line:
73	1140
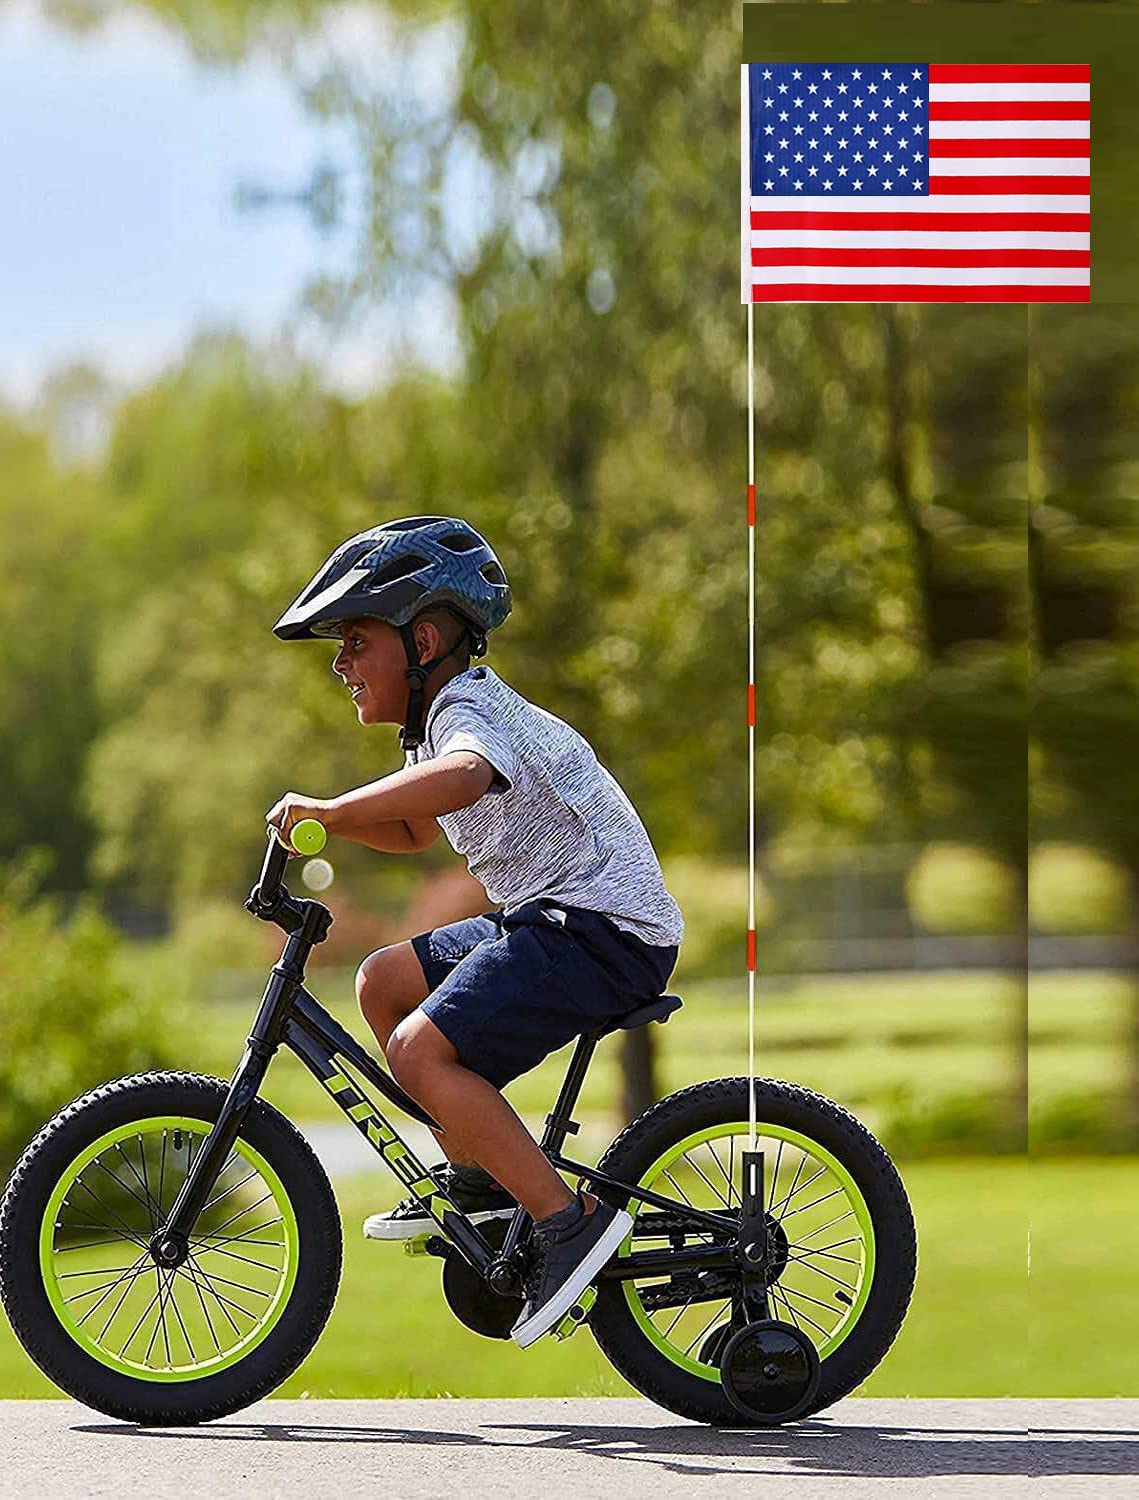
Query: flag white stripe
914	239
924	275
1016	130
745	174
994	93
1008	166
948	203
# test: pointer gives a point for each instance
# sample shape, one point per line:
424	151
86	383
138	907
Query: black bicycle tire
35	1323
723	1101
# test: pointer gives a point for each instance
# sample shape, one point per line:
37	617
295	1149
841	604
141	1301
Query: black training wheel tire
725	1101
47	1342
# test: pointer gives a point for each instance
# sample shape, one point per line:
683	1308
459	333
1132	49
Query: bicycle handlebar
307	837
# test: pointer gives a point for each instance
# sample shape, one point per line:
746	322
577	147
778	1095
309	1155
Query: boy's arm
414	796
398	836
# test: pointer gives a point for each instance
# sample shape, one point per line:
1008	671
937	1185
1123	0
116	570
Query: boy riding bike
587	930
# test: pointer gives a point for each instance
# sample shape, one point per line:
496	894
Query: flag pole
747	294
751	945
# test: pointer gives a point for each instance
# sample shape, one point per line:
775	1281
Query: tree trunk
638	1072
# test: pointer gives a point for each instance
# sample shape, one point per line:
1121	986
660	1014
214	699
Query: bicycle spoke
811	1205
708	1325
118	1181
229	1190
182	1325
731	1160
678	1317
695	1167
809	1321
161	1174
831	1223
239	1286
193	1275
126	1229
140	1322
775	1296
229	1239
783	1202
792	1292
723	1174
129	1278
846	1259
88	1244
228	1301
775	1175
141	1181
115	1310
221	1301
819	1271
242	1211
263	1265
163	1292
855	1239
99	1271
679	1189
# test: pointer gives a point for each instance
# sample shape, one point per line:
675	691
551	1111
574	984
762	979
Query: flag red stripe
939	186
799	255
1066	223
1010	73
972	146
1011	109
932	221
884	292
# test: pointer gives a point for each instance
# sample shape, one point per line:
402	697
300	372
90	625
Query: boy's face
371	659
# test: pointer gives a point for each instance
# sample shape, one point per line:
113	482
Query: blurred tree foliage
597	433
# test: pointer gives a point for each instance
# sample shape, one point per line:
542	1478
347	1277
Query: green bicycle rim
197	1369
811	1149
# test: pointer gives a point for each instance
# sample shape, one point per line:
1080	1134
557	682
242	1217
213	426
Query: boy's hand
290	809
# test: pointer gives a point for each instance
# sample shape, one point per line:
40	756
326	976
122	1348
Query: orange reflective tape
751	949
751	505
751	703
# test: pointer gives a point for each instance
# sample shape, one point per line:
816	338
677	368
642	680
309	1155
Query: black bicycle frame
289	1014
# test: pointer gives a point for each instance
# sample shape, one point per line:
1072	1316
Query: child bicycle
170	1246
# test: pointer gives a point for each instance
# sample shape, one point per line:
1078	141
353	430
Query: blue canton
839	130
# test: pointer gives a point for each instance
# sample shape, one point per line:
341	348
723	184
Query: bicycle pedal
416	1247
577	1314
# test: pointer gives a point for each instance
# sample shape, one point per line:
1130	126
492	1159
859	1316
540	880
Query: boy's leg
477	1119
390	983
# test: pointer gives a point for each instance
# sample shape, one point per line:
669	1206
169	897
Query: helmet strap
417	673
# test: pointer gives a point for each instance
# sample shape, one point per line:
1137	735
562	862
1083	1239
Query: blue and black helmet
394	572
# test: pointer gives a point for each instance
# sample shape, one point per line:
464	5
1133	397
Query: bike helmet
394	572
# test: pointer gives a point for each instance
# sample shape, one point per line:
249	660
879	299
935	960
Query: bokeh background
279	270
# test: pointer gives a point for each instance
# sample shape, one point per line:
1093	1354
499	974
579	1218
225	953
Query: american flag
915	182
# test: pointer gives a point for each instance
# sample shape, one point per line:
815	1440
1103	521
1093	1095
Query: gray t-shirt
554	822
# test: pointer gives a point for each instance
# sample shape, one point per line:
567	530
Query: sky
121	157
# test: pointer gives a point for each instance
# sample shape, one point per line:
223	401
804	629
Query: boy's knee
413	1051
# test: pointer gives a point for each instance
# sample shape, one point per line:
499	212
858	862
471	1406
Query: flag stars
887	103
857	187
857	74
813	116
918	156
812	88
796	75
873	114
828	103
873	144
798	104
814	171
798	130
902	87
872	171
887	130
798	186
783	144
842	88
828	129
885	72
858	130
769	185
783	88
842	171
828	156
783	116
917	127
871	88
888	156
826	72
798	156
858	103
767	73
917	72
916	185
814	145
902	171
827	185
769	130
858	156
842	145
770	156
783	171
903	114
842	114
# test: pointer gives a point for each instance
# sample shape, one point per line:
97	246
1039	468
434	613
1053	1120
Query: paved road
616	1449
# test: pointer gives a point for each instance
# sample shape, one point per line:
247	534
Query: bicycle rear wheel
148	1343
842	1248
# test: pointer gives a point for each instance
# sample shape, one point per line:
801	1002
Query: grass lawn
971	1331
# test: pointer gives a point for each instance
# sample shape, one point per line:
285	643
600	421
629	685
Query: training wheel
770	1372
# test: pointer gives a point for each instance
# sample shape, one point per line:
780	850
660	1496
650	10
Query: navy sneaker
469	1188
566	1252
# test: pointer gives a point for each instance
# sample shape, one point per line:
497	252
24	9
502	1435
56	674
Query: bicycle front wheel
842	1249
143	1342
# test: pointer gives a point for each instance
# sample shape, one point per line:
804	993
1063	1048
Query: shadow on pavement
813	1448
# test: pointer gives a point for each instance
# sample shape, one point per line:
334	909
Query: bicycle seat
657	1010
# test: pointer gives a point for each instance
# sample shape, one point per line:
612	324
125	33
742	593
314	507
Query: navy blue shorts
506	991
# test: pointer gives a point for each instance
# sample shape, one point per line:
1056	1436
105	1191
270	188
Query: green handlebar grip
308	836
